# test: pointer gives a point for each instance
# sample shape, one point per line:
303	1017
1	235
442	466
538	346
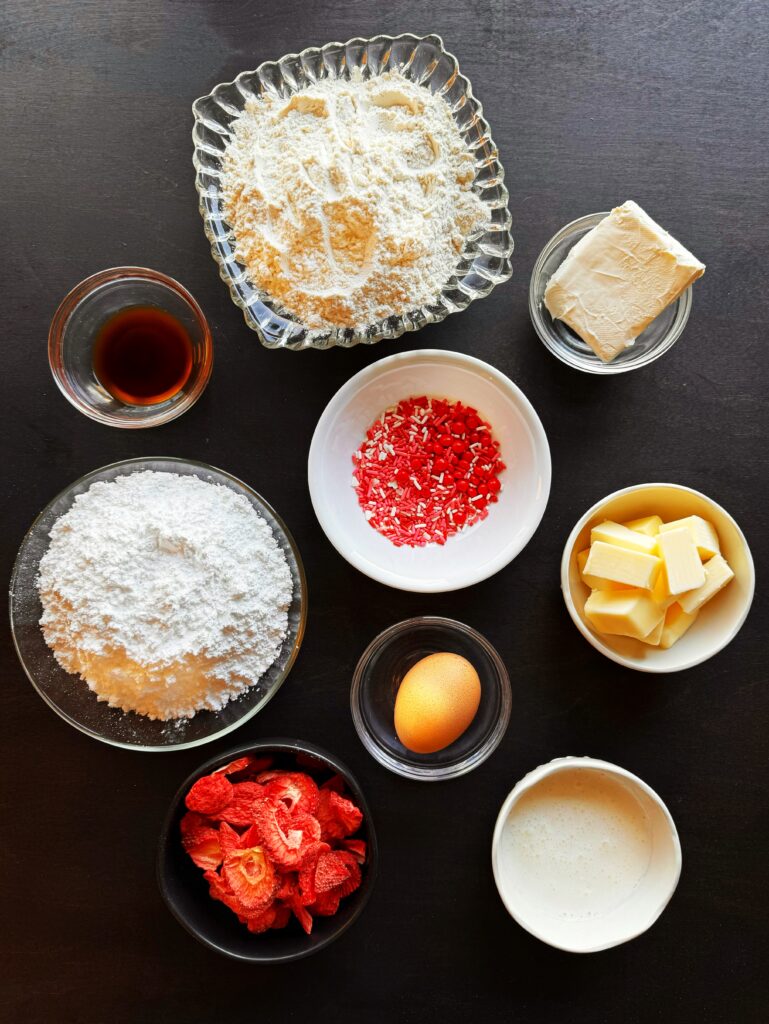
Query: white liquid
576	844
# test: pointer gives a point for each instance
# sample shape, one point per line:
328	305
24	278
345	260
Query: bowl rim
294	653
535	776
683	306
69	304
541	447
371	741
595	640
291	746
323	338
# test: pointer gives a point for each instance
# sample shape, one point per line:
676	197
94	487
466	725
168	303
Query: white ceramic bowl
719	620
470	556
630	918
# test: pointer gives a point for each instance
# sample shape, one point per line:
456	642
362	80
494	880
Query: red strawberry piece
239	811
201	842
338	817
357	847
351	883
306	878
218	890
302	914
262	922
247	870
209	794
282	915
295	789
330	871
326	905
336	782
288	839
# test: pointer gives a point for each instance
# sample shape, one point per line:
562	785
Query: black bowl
185	891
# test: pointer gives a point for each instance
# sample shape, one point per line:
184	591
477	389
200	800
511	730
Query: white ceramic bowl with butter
539	911
719	620
477	552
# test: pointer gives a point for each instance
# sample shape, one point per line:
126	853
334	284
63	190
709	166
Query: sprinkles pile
426	470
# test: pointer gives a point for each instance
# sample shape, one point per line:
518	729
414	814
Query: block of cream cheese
703	534
621	565
618	278
615	533
623	612
650	525
717	575
682	561
677	621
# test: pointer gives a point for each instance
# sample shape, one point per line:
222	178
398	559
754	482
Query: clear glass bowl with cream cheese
485	259
660	336
70	697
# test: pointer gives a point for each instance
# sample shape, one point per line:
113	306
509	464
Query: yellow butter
717	574
650	525
595	582
660	592
653	638
621	565
682	561
623	613
615	533
677	621
703	534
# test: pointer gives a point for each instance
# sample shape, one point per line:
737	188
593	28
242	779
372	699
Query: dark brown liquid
142	356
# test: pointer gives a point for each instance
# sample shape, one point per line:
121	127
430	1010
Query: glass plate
69	695
485	260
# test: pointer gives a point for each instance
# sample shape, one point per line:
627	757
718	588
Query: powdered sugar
166	594
352	199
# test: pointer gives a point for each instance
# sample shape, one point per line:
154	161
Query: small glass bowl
378	675
661	334
70	697
76	324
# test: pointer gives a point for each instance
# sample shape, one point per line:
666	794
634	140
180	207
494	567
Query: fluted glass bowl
70	697
485	260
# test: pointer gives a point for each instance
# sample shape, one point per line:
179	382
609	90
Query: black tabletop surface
590	103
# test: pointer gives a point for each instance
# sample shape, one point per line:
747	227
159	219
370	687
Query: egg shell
436	702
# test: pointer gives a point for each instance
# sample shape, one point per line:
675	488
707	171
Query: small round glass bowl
76	324
375	684
185	891
661	334
70	697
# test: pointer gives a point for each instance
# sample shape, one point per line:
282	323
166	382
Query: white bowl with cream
473	554
720	619
585	855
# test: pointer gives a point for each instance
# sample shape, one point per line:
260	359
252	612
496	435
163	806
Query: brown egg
436	701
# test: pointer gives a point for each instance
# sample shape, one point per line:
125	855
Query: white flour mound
350	200
166	594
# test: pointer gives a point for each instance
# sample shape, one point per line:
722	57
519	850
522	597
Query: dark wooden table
591	103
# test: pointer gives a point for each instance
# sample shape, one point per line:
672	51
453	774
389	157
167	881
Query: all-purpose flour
166	594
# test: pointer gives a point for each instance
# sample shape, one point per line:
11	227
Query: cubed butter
621	565
677	621
653	638
650	525
717	574
618	278
682	561
703	534
660	592
615	533
595	582
623	612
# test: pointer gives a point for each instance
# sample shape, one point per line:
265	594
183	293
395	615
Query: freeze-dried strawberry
219	890
326	905
240	764
287	838
295	789
203	847
240	810
357	847
336	782
209	794
282	915
247	870
262	922
306	880
330	871
351	883
301	913
338	816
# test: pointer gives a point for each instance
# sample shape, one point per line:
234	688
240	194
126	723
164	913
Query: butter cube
618	278
653	638
703	534
615	533
682	561
677	621
623	612
717	575
650	525
595	582
660	592
621	565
